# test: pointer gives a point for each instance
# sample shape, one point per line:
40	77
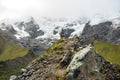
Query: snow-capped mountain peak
45	27
49	28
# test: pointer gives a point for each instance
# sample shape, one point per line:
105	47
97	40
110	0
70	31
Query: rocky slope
62	62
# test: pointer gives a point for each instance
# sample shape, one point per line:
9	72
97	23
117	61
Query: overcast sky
58	8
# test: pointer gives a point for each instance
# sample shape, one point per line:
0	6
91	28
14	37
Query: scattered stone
28	68
13	77
23	71
69	76
111	71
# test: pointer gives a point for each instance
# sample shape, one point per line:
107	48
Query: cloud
2	8
58	8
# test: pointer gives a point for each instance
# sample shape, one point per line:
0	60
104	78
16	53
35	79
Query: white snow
20	33
78	30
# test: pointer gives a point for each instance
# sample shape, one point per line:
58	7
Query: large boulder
84	64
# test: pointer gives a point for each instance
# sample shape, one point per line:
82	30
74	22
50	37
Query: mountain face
40	33
105	31
43	28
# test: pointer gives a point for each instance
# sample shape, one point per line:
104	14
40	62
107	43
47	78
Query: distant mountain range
49	28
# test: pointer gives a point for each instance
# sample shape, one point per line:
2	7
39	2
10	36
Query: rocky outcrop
84	63
10	29
56	30
99	31
113	36
88	65
68	32
105	31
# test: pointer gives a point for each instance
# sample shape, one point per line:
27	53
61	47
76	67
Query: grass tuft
110	52
11	51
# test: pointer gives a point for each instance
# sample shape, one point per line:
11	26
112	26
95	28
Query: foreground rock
88	65
84	64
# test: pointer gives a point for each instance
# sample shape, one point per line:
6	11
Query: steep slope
12	56
110	52
9	48
47	66
62	62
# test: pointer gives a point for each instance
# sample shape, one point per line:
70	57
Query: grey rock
13	77
10	29
19	24
23	71
55	31
68	32
114	36
69	76
85	62
24	74
99	31
28	68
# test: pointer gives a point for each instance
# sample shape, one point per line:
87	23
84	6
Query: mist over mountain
59	8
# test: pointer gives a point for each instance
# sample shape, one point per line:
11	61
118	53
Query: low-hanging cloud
58	8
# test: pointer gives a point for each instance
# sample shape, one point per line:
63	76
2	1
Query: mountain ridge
39	36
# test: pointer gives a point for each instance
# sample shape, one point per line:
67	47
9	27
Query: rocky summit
69	64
